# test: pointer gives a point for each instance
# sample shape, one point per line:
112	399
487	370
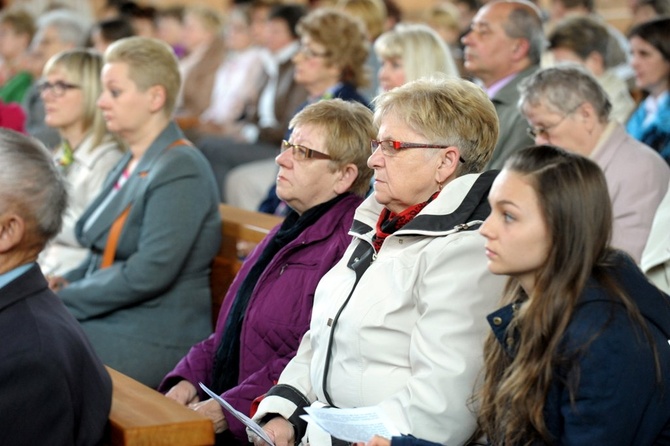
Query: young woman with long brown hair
579	353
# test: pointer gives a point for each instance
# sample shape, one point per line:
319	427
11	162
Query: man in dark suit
53	388
502	48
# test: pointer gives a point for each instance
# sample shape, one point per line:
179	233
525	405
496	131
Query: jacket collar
463	201
654	305
88	155
133	188
27	284
509	94
499	320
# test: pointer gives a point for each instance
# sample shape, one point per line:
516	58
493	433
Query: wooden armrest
142	416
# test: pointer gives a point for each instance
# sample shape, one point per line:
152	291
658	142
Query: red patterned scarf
389	222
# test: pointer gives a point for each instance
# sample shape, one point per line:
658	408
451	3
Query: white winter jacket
410	337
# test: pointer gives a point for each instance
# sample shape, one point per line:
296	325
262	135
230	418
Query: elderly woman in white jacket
399	322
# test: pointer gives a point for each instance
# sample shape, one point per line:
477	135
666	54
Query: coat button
497	320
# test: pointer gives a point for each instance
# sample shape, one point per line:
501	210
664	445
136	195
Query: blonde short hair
151	62
446	111
209	18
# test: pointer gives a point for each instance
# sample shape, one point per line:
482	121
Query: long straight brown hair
577	211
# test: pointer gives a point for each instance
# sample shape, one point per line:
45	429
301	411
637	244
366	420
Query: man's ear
520	49
12	230
345	179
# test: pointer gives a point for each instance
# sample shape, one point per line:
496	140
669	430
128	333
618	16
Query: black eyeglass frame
58	88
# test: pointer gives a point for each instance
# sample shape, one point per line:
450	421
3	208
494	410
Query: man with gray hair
54	388
503	47
57	31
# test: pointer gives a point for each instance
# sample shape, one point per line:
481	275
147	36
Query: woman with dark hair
107	31
579	353
650	47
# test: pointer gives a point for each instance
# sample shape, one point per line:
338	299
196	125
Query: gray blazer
513	125
144	311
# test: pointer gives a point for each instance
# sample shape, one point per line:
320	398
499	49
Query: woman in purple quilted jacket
323	177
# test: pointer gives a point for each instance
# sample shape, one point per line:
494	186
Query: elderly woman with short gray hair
566	107
399	322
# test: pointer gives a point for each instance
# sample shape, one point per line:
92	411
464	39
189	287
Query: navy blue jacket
54	389
618	400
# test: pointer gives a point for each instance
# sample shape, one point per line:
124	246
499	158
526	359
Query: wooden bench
140	416
239	226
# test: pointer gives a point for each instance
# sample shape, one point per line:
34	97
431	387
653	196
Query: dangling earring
439	186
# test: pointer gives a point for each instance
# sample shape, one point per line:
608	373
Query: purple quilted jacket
278	314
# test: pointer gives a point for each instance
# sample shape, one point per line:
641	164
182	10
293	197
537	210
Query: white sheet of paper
248	422
354	425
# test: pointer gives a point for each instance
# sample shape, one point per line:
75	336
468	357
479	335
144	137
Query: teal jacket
145	311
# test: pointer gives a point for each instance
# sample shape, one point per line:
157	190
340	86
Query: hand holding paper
248	422
354	425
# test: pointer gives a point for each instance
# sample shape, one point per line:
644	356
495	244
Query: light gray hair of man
31	184
525	22
563	89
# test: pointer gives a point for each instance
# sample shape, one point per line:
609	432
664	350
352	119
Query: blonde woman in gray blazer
142	295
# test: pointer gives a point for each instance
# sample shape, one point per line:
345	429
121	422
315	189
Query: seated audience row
323	177
578	354
399	321
329	63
